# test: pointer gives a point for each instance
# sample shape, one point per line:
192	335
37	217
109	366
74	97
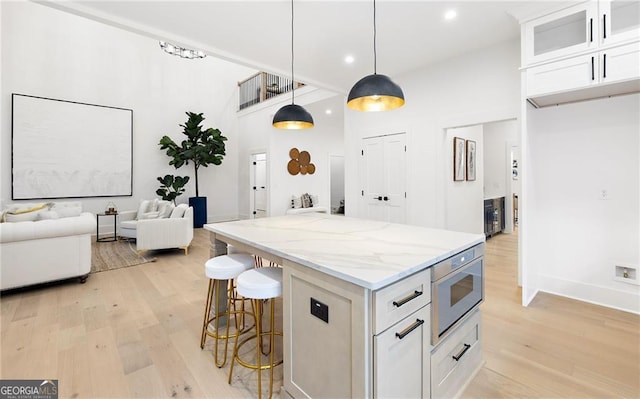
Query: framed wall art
458	159
471	160
66	149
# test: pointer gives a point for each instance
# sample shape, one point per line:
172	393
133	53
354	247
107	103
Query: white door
384	177
373	170
395	177
258	185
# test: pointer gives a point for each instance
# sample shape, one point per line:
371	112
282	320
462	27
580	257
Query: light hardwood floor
135	332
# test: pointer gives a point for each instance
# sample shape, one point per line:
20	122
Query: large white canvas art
64	149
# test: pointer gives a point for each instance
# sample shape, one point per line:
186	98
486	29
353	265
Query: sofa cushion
24	213
143	207
148	215
62	210
304	201
68	211
296	202
46	215
164	209
179	211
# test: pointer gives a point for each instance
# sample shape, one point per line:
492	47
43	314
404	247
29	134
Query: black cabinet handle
462	352
591	29
411	297
593	76
407	330
604	26
378	198
604	65
385	198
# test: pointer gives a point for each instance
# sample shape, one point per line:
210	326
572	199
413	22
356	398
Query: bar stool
258	285
219	269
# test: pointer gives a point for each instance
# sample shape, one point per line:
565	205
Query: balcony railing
263	86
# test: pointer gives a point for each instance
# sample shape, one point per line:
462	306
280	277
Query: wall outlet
626	274
604	194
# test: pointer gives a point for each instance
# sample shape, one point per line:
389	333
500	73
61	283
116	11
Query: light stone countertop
367	253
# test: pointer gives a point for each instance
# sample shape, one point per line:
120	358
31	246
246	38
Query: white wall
50	53
478	87
325	138
463	214
575	151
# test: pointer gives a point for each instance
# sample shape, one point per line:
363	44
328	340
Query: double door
383	177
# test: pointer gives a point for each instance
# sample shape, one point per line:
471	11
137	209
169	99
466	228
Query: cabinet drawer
573	73
455	359
395	302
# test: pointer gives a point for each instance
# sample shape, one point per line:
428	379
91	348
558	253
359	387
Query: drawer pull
462	352
407	299
412	327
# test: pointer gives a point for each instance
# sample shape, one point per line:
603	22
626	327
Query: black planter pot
199	205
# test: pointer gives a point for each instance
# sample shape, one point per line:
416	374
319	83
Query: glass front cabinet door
619	21
562	33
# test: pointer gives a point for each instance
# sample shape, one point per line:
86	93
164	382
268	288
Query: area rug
115	255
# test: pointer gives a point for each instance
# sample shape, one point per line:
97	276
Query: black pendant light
292	116
375	92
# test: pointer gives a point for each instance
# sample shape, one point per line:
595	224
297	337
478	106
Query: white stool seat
261	283
226	267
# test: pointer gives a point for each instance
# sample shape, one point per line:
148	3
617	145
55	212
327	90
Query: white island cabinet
357	310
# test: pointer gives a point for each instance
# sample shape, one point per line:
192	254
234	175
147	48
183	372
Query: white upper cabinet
562	33
619	21
585	51
584	27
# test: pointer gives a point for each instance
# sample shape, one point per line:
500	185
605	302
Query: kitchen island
342	281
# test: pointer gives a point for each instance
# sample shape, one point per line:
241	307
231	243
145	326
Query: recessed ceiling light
328	112
451	14
349	59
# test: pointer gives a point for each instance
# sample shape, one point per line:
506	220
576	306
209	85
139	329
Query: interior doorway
258	185
488	202
336	165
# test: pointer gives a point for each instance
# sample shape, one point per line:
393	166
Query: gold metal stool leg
258	366
215	286
207	310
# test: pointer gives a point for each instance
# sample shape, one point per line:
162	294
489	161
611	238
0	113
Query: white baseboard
604	296
527	301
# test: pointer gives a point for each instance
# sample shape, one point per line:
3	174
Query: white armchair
175	231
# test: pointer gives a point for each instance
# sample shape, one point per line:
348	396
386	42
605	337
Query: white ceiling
410	34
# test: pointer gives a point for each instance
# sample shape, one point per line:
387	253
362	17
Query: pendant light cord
375	56
293	81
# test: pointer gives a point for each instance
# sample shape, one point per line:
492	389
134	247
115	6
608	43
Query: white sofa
153	230
298	205
36	250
